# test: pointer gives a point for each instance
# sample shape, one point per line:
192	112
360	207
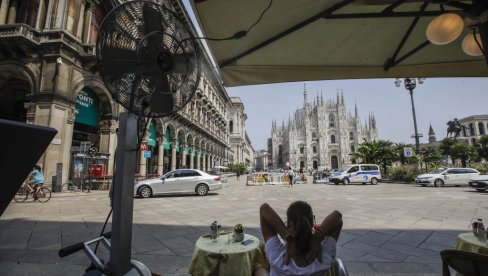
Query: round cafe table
468	242
226	257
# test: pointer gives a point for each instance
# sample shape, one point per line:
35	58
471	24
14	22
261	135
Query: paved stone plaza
388	229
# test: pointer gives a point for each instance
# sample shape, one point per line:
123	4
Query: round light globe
445	28
470	47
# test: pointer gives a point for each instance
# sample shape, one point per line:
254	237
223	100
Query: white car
447	176
179	181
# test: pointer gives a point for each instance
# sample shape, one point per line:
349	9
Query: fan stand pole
123	199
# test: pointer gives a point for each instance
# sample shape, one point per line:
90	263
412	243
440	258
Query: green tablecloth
222	257
468	242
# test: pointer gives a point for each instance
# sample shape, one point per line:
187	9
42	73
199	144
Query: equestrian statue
454	128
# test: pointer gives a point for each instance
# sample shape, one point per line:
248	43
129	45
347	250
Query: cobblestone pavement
389	229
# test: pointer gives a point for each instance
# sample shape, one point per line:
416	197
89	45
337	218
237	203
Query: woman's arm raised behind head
271	223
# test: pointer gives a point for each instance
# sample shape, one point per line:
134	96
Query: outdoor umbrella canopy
330	39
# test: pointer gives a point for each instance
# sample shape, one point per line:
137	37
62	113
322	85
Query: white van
357	173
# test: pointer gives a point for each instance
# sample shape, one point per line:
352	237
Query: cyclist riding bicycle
36	180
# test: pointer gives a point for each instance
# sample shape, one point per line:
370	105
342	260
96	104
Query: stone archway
17	85
334	162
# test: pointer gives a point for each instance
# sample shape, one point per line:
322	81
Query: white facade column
197	155
183	154
142	163
61	117
87	25
173	155
192	152
79	31
160	156
40	13
108	137
12	12
4	11
60	14
204	155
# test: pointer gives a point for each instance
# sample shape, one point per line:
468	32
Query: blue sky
437	101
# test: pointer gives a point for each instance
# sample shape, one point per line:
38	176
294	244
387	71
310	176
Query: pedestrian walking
238	174
290	176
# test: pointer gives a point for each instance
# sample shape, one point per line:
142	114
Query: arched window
314	149
331	120
302	149
332	139
471	130
231	126
353	149
351	135
464	132
481	128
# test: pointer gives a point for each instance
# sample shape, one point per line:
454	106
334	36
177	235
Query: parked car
178	181
357	173
447	176
479	182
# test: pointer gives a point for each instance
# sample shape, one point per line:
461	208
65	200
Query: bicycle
69	186
43	194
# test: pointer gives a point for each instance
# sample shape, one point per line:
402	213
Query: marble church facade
319	135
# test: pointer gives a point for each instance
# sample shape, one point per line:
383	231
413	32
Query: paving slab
389	229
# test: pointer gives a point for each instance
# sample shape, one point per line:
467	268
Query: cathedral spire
338	101
342	97
304	95
356	114
321	98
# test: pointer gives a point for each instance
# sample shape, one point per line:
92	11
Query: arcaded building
49	77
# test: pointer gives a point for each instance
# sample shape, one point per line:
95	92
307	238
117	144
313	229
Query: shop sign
87	105
147	154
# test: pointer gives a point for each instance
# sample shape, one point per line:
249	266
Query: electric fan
150	63
147	59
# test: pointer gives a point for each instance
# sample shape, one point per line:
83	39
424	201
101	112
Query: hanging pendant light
470	47
445	28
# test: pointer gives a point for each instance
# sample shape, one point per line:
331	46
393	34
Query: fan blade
160	83
118	61
161	103
152	18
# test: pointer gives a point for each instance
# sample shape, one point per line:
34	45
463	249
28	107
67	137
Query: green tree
482	147
381	152
366	152
432	158
445	147
386	154
464	152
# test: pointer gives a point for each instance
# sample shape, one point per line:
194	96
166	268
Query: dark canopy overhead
331	39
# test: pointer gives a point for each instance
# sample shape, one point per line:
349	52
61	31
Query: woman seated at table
304	252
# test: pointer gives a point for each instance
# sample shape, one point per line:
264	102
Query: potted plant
238	233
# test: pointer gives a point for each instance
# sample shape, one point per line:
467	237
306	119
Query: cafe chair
337	269
464	262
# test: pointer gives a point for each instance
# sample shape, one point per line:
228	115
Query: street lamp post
410	84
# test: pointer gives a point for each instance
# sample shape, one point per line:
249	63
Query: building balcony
21	40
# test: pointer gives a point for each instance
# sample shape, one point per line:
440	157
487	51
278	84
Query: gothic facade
320	135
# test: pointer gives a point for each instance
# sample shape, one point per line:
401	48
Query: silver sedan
178	181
